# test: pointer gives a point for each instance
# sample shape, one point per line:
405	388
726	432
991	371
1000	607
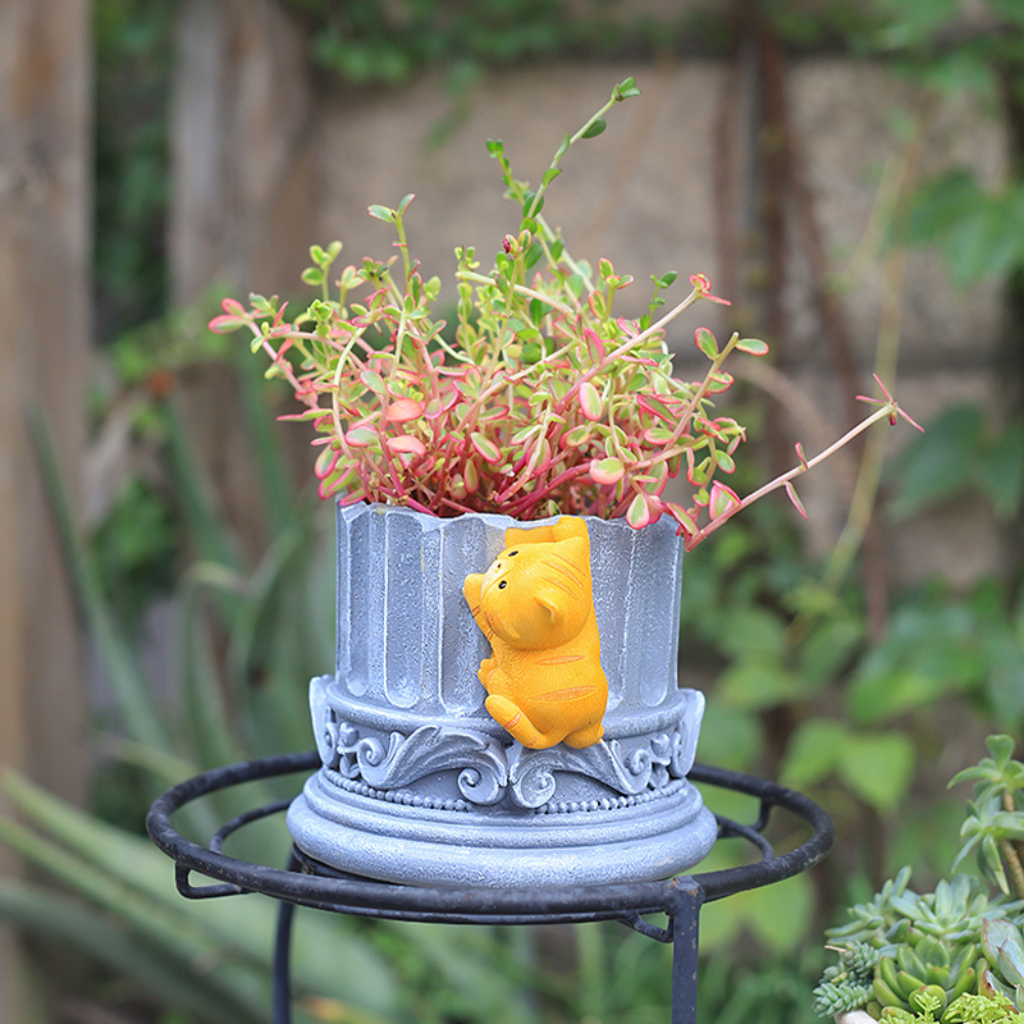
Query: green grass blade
111	867
276	488
37	912
141	717
213	540
176	933
209	728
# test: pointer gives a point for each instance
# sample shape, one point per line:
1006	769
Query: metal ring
365	897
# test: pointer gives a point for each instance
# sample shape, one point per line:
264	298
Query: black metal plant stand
310	884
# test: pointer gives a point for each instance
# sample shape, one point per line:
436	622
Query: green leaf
829	648
626	89
381	213
941	462
549	175
578	435
752	346
607	471
814	751
590	401
940	204
39	913
130	877
779	916
595	128
1004	681
529	198
1001	471
1001	748
361	437
638	515
878	768
989	242
754	631
488	450
730	737
128	684
872	698
758	683
706	342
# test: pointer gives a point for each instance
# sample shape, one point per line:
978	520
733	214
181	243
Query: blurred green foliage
367	42
134	54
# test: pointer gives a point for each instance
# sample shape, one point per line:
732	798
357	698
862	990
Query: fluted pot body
420	785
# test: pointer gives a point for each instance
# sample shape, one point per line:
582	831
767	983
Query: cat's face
536	596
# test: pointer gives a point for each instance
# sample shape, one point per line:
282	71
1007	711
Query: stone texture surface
407	638
411	756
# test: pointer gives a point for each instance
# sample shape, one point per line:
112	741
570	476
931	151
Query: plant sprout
541	401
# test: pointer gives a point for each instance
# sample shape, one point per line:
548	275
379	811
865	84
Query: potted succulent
955	955
469	733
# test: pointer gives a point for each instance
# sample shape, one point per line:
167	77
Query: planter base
453	802
419	784
466	848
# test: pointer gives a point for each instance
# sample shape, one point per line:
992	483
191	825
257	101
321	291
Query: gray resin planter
420	785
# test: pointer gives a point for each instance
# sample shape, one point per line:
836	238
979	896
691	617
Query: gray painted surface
420	785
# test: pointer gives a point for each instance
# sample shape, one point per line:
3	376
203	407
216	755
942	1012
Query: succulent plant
847	985
1003	971
994	828
954	912
967	1009
918	953
870	921
926	976
955	955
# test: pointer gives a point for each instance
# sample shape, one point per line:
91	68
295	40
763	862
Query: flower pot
420	785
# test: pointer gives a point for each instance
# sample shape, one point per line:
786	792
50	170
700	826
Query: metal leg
281	980
281	990
684	923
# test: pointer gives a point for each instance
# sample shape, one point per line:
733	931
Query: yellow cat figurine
535	605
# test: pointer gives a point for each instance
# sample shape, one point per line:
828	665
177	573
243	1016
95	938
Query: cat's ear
471	589
537	535
568	527
554	601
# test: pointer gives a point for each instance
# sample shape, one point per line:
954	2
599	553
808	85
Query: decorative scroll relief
479	760
626	770
488	771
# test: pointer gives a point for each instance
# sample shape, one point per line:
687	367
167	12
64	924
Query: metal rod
684	923
281	984
281	991
352	895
